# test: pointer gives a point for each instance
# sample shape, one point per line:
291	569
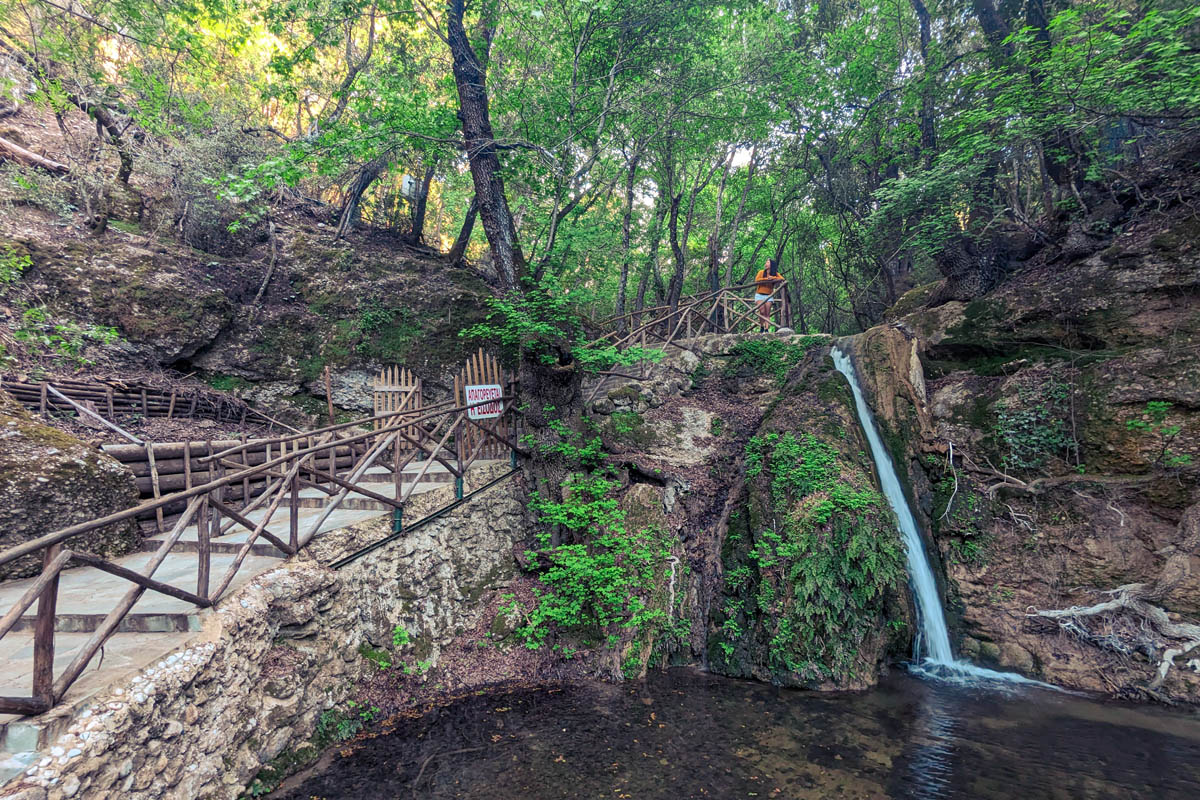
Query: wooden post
154	484
43	403
293	507
108	395
187	465
145	405
203	536
171	406
329	394
43	636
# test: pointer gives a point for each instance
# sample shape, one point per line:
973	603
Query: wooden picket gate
398	390
483	369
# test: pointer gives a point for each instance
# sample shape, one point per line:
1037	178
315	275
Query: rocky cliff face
48	481
790	570
354	306
1051	430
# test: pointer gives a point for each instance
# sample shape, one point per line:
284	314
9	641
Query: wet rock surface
1052	446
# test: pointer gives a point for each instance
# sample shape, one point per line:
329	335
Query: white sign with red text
480	393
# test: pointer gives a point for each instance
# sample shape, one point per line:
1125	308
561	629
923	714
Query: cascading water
935	658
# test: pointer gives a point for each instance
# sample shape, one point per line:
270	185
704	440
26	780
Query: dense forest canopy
642	149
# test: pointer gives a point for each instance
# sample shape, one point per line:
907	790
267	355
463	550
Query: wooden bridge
241	508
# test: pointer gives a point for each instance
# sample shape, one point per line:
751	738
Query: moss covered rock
50	480
813	565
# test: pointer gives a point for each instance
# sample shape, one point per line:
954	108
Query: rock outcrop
1051	430
50	480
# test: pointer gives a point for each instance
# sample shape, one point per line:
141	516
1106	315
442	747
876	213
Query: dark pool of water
686	734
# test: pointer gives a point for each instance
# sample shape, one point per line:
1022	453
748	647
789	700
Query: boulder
50	480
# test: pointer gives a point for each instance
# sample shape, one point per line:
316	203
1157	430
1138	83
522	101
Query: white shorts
761	298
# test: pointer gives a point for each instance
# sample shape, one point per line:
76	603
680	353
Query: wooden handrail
207	502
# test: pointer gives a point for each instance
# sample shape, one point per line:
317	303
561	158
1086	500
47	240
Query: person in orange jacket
767	280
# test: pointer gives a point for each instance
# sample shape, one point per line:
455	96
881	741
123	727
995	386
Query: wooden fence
332	460
114	399
483	369
729	310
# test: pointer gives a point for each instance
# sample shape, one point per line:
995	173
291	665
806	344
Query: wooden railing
729	310
109	400
305	461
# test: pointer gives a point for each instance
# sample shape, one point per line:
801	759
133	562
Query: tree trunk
650	268
366	176
928	131
675	289
418	222
470	77
626	240
464	233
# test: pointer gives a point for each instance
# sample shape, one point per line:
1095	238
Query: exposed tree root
1153	630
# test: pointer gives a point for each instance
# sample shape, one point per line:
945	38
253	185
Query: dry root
1147	627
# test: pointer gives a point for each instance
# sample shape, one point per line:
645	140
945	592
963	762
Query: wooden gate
482	369
396	389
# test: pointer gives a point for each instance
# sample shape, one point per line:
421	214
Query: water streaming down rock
935	658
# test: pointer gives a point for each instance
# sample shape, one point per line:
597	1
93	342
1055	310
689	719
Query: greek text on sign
480	393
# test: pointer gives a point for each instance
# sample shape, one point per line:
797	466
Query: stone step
124	653
86	594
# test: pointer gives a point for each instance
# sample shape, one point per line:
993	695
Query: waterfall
933	638
934	656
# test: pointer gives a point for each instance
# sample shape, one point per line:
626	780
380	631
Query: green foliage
13	263
815	577
774	357
400	636
1037	428
63	341
543	321
1153	422
603	579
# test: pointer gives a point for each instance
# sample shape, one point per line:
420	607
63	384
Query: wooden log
31	159
124	452
383	498
43	631
24	706
141	580
253	527
94	415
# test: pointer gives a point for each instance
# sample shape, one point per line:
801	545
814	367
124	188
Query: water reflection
927	765
686	734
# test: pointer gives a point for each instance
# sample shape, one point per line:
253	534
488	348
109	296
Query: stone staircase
157	623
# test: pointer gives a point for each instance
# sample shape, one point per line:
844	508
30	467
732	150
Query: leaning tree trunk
418	224
366	176
459	250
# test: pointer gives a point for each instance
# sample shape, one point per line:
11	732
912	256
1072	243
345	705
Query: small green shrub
13	263
774	357
1153	421
1037	429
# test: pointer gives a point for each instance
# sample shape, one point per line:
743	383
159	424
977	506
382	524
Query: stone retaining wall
274	655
